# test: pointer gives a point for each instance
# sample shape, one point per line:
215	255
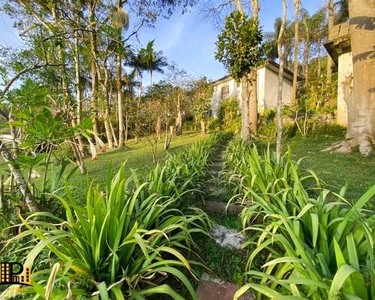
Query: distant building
268	77
339	48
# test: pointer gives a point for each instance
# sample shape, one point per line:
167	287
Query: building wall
344	87
234	91
271	89
267	91
261	89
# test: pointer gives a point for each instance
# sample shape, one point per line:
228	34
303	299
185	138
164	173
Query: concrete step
217	164
215	289
221	207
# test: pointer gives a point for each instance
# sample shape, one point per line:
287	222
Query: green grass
335	169
137	155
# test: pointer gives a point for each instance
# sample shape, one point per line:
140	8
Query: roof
338	41
271	65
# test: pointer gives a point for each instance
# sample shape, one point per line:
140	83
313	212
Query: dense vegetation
137	225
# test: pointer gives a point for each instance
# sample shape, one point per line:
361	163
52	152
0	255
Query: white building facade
268	77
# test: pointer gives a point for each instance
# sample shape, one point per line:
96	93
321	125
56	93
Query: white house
338	47
226	87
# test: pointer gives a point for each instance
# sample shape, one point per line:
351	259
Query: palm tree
152	61
342	11
120	20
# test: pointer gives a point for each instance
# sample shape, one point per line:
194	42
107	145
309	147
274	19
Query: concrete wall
261	89
267	91
344	87
271	89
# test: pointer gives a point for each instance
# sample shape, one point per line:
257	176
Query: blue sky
189	39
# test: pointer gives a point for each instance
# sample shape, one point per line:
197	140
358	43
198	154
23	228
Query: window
225	90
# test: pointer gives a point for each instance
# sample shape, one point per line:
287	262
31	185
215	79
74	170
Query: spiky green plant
248	171
124	242
319	245
324	252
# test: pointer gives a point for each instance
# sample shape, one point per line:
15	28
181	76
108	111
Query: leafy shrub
63	152
214	124
229	115
124	243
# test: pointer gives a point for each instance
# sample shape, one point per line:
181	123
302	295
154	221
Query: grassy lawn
136	155
335	169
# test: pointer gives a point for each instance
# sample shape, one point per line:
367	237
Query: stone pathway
217	195
212	288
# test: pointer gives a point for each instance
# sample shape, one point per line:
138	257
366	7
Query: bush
214	124
229	115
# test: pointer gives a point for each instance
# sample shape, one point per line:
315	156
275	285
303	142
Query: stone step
215	289
221	207
215	191
213	180
217	164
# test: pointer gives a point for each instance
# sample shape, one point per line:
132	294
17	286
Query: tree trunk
361	107
94	77
105	91
158	127
253	101
78	157
296	52
113	134
178	126
319	57
203	127
331	18
137	121
120	109
245	130
21	182
280	85
78	79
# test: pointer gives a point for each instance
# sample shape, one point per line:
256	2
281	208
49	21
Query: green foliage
238	44
202	93
268	131
214	124
251	172
322	248
229	115
318	245
124	239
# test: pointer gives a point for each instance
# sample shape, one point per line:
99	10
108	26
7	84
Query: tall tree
238	49
120	21
280	85
296	52
253	102
152	61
